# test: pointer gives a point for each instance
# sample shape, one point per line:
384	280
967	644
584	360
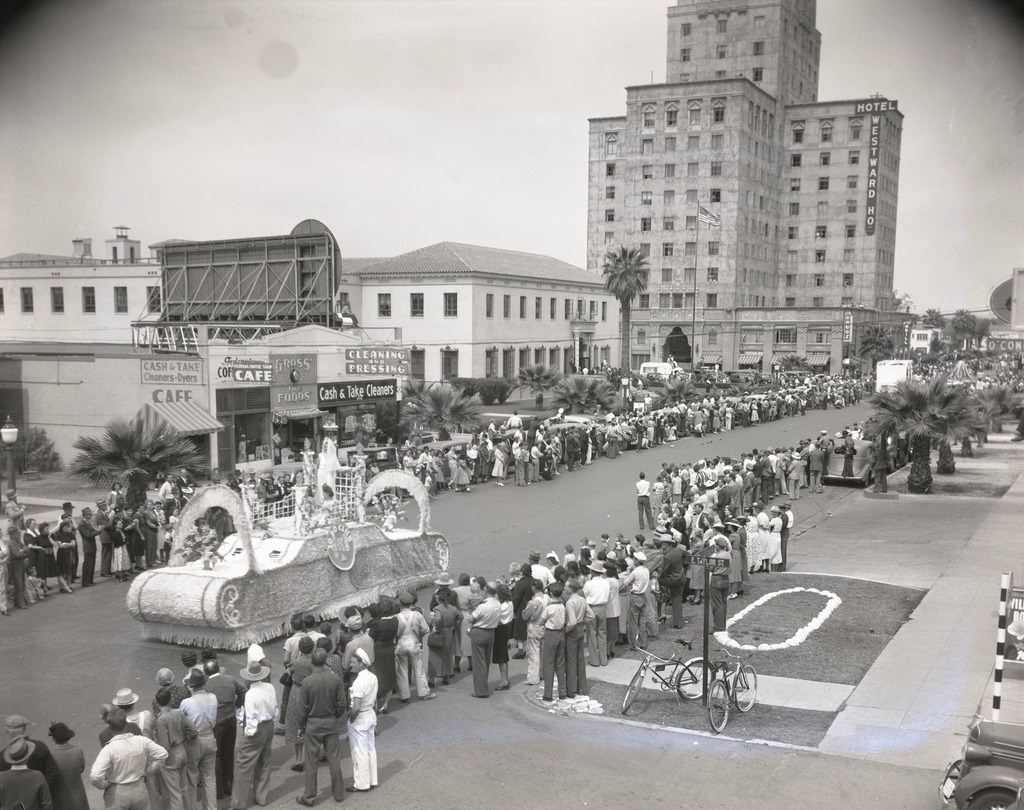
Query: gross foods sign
873	109
351	391
376	360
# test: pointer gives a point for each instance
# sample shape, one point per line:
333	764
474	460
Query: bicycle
684	678
729	683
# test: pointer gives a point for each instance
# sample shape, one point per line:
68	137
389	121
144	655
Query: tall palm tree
579	394
934	319
133	452
537	380
929	411
441	407
625	277
876	344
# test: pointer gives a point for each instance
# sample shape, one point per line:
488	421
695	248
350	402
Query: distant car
988	774
861	463
385	456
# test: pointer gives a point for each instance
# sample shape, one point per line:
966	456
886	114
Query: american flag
708	218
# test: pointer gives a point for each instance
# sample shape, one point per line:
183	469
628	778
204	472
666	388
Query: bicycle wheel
744	688
634	688
690	679
718	704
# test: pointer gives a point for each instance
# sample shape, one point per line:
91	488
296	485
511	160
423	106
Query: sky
402	124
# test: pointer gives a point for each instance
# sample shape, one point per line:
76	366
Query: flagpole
693	321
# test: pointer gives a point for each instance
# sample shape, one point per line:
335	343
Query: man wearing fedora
20	785
39	759
597	591
256	735
123	765
87	531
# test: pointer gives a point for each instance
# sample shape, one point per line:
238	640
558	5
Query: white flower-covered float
304	554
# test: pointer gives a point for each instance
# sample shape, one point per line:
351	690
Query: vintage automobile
988	774
861	464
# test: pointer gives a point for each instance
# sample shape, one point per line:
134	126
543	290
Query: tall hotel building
804	192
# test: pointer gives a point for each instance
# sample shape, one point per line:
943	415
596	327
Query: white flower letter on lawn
798	638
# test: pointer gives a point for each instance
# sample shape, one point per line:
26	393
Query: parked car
861	463
385	456
988	774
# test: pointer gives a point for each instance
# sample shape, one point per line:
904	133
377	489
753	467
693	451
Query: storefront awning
752	359
285	414
187	418
708	359
819	360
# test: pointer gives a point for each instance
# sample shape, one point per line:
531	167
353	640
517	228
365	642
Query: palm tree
441	407
927	411
673	390
794	362
133	452
934	319
876	344
994	403
537	380
625	277
965	324
579	394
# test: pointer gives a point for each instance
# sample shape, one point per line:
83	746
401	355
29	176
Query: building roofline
820	103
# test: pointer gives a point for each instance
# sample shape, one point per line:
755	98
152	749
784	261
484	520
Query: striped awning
285	414
752	359
711	358
187	418
818	360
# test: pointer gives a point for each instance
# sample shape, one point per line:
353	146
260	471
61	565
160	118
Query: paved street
62	658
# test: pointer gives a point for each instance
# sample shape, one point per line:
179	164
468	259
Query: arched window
693	110
611	144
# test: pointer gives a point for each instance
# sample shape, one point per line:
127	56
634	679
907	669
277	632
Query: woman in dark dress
522	593
46	557
65	543
69	793
503	635
383	629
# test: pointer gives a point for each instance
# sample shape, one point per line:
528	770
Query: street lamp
9	436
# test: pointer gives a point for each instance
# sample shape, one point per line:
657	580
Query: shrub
469	385
493	389
36	451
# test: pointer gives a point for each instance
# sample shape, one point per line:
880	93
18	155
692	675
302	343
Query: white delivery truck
890	372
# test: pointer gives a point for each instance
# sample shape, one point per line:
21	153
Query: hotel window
822	209
668	223
847	279
645	249
690	249
715	195
645	223
152	299
538	308
820	336
818	301
786	334
670	171
847	254
819	257
56	299
671	117
553	308
794	209
522	307
759	48
611	144
795	161
758	74
854	157
449	364
383	305
722	26
717	140
798	132
677	300
609	170
120	300
416	305
668	198
609	237
688	300
666	275
88	299
712	303
668	249
790	279
646	197
491	363
851	206
820	231
825	158
609	192
643	301
670	143
685	29
489	305
691	170
604	310
648	120
851	181
506	307
716	168
712	274
691	196
790	301
692	143
538	357
647	171
694	114
851	231
647	146
691	222
684	54
855	126
794	183
792	257
712	248
793	232
846	301
451	305
609	215
826	131
822	184
664	300
717	110
568	309
819	279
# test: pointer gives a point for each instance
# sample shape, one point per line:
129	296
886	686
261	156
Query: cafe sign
243	370
331	394
385	361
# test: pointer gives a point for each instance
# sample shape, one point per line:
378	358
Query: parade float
239	568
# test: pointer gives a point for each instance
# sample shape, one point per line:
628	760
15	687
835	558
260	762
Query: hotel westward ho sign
386	362
873	108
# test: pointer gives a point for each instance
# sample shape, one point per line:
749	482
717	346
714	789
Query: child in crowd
35	588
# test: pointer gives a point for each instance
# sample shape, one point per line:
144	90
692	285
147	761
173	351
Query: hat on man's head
254	671
597	567
101	504
11	493
15	721
19	751
86	511
406	599
125	697
189	658
823	433
639	555
444	579
196	679
552	556
354	622
775	509
534	556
